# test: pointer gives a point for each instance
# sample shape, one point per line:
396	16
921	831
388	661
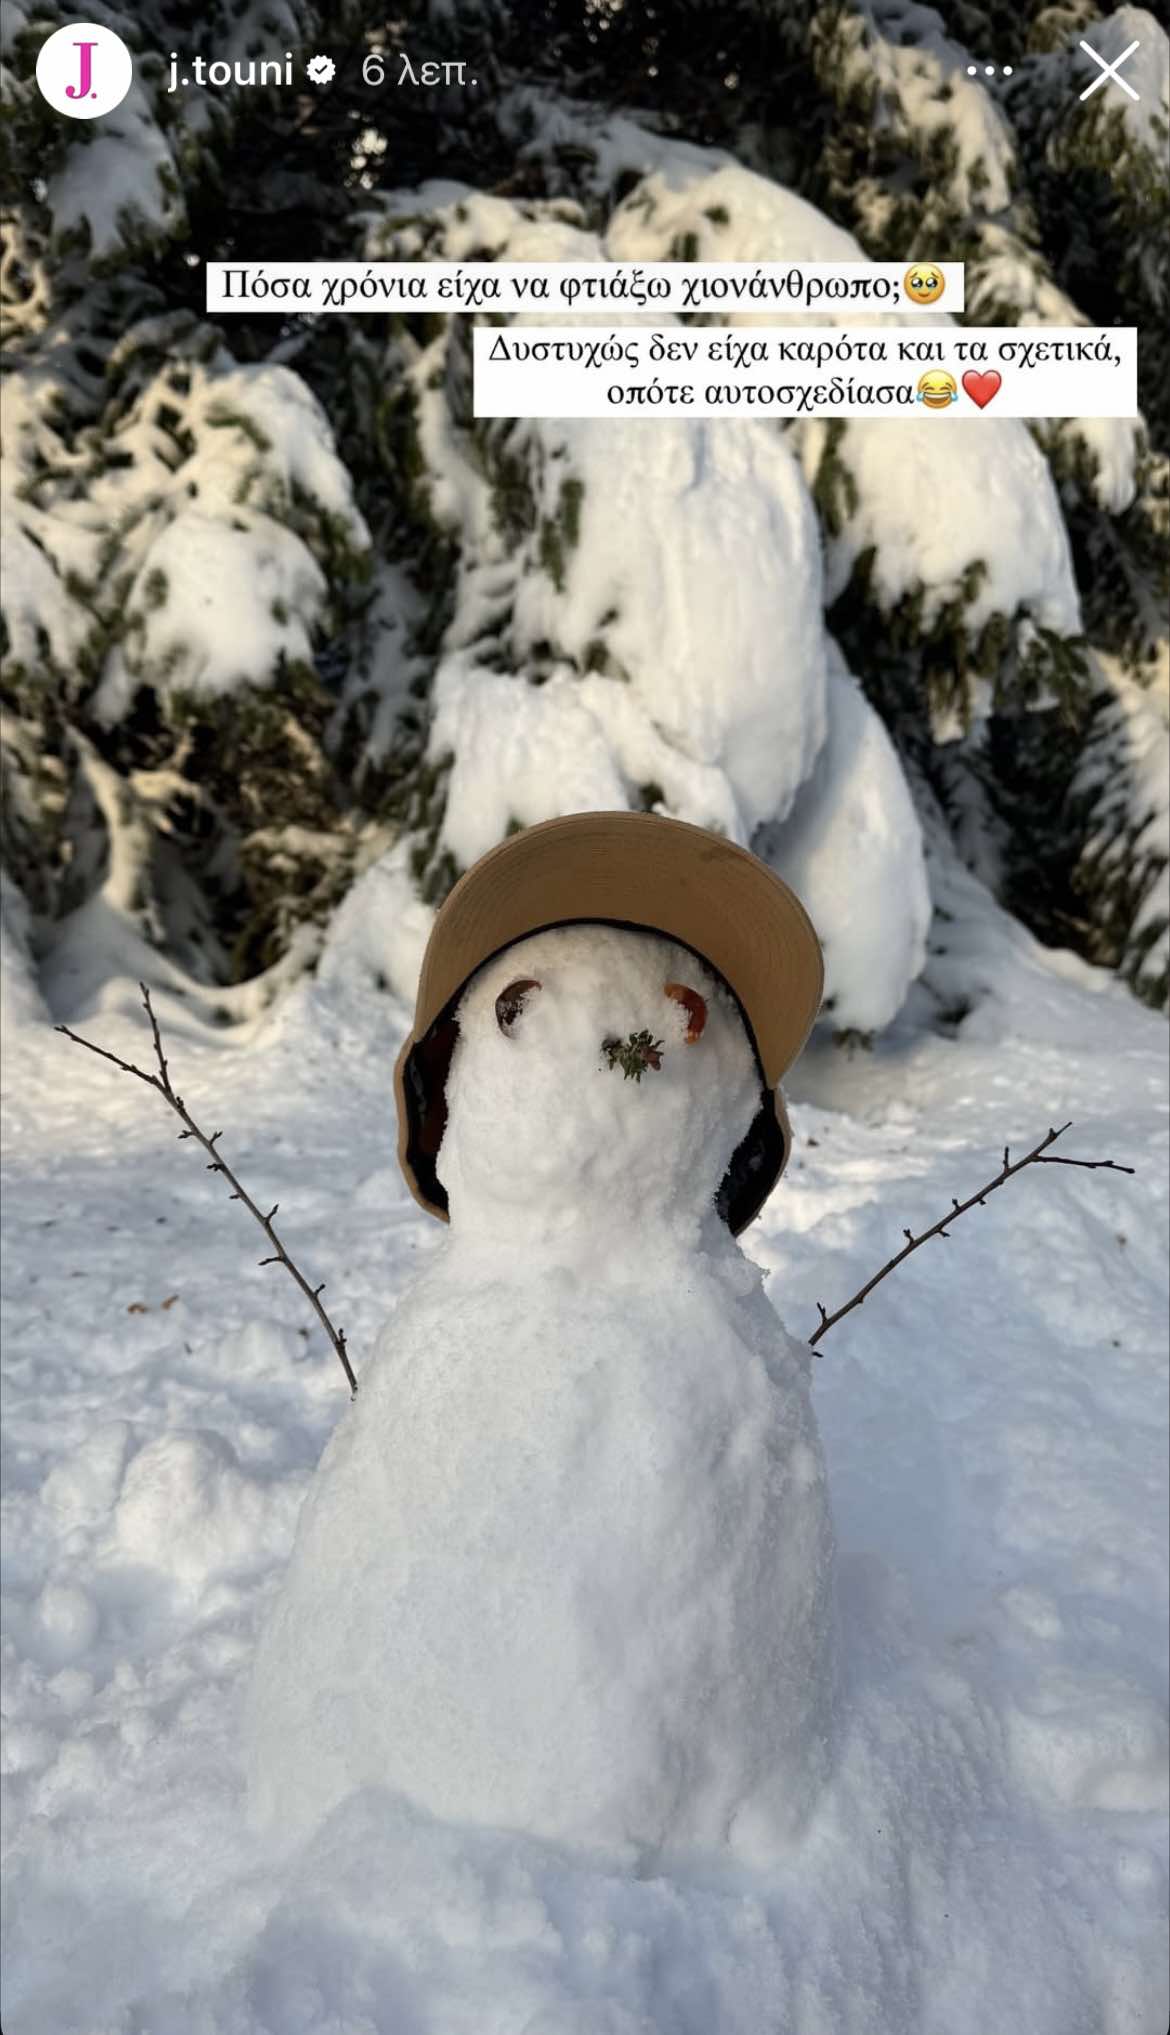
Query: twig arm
162	1082
939	1228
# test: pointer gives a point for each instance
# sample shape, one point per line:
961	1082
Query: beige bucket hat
652	874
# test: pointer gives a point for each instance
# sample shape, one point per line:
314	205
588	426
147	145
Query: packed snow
927	520
512	743
737	677
719	701
588	1588
852	850
988	1849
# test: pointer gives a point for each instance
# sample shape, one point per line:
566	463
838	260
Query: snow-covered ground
990	1854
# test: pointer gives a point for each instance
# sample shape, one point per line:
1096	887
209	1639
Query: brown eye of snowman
510	1002
695	1007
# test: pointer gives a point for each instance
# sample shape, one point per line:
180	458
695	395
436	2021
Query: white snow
730	675
35	597
724	704
587	1593
378	934
990	1849
716	695
186	1506
851	848
521	752
121	183
230	612
929	517
754	218
1115	445
205	610
285	423
219	518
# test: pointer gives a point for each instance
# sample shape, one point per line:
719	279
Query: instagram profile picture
84	70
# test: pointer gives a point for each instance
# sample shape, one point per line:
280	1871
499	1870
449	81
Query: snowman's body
566	1566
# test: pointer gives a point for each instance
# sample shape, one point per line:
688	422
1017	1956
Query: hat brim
636	869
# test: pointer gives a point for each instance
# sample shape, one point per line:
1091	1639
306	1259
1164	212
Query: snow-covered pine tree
181	542
1062	208
1102	203
433	629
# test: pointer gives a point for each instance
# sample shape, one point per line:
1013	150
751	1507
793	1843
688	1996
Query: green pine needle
634	1055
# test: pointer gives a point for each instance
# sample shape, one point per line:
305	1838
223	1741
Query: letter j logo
84	70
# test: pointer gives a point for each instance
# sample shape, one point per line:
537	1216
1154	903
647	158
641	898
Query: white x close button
1110	70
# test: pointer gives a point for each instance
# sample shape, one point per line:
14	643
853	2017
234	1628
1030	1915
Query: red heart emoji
982	387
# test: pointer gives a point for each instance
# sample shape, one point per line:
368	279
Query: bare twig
938	1229
162	1082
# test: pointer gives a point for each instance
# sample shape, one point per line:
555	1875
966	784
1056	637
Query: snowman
566	1566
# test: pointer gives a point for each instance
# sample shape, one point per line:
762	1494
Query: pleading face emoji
937	389
924	282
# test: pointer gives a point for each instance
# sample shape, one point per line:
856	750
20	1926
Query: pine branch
634	1055
939	1229
162	1082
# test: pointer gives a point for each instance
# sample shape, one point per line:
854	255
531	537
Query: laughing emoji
938	389
924	282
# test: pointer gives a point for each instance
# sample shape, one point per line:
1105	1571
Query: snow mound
1092	1741
736	679
226	588
522	752
566	1567
929	514
378	934
187	1508
84	1482
230	611
852	850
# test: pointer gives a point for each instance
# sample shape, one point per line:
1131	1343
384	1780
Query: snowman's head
600	1075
